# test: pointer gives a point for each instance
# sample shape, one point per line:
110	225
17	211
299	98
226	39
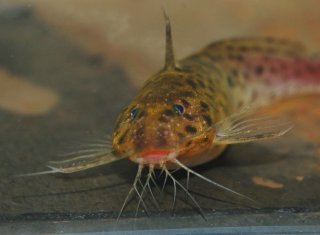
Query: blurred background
68	67
132	33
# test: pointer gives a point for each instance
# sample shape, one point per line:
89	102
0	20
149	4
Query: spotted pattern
191	129
210	85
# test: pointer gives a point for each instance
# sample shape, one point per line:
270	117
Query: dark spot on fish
270	39
230	47
204	106
207	119
259	70
191	129
201	84
185	103
239	58
256	48
189	143
188	116
177	83
192	83
243	49
187	94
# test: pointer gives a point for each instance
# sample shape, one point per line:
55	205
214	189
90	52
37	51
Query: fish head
163	121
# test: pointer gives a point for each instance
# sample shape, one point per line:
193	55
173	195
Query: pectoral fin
248	126
78	163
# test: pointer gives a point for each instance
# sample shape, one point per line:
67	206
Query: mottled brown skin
210	85
158	126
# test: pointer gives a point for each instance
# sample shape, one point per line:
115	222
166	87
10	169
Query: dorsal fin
169	57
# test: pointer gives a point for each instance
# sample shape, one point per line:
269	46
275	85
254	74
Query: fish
189	112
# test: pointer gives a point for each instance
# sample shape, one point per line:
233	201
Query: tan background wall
133	31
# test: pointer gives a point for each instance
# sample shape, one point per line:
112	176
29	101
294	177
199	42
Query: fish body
188	112
212	87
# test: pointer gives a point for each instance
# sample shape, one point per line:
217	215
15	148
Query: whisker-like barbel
210	181
134	185
144	187
186	191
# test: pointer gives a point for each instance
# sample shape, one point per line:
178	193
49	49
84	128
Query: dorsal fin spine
169	57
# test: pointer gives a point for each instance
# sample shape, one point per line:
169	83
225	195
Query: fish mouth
154	156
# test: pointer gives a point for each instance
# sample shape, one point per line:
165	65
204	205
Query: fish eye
134	112
178	108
